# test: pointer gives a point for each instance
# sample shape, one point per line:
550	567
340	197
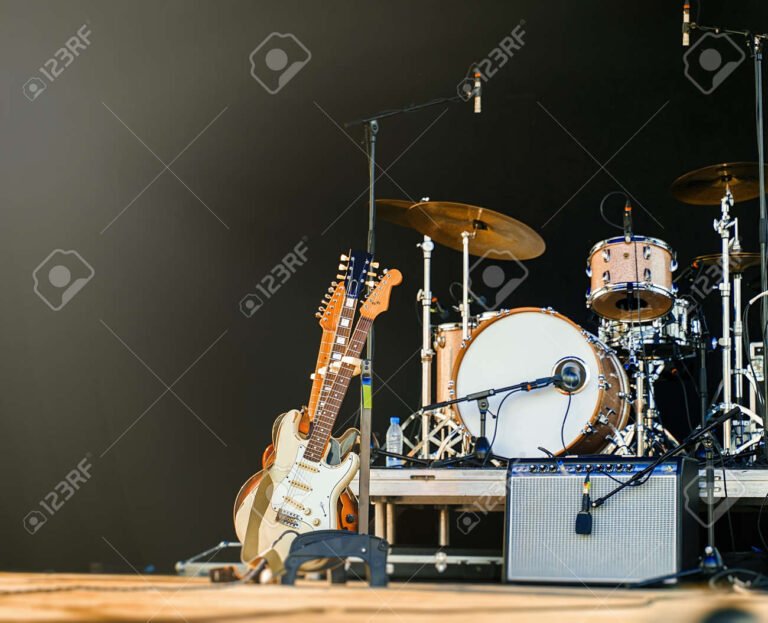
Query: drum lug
606	255
548	310
647	274
647	252
673	264
588	429
589	272
602	419
603	383
606	276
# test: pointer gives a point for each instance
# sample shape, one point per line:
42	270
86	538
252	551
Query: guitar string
347	313
340	385
342	330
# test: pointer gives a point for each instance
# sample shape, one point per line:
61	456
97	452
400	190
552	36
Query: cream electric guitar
299	493
336	315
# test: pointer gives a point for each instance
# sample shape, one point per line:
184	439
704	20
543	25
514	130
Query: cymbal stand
755	42
464	307
427	352
723	227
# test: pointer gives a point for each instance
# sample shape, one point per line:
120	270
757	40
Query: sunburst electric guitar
299	493
332	349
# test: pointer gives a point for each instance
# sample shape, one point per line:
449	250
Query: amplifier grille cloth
634	534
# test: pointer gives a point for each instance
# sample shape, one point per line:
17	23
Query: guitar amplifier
642	532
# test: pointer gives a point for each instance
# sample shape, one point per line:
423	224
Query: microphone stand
755	45
483	451
371	130
711	561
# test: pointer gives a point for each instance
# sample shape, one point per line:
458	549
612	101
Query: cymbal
705	187
739	260
496	236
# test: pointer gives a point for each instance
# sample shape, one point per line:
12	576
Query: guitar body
291	497
347	508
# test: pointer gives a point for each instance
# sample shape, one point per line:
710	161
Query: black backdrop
90	381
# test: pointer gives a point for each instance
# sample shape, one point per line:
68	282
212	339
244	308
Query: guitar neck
328	408
334	353
327	343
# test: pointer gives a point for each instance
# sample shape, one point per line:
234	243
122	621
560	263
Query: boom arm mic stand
483	451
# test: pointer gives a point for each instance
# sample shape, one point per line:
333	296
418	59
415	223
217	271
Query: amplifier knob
578	467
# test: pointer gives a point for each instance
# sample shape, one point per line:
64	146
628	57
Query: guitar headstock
330	306
378	300
357	270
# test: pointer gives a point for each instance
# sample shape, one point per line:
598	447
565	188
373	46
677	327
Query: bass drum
526	344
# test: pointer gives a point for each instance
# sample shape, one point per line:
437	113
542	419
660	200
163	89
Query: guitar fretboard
337	348
328	408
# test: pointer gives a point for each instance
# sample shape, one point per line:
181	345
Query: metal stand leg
363	501
427	353
464	307
640	408
723	226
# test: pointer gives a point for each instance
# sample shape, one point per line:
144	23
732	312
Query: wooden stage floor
165	598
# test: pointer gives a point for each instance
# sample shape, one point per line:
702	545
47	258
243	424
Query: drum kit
645	327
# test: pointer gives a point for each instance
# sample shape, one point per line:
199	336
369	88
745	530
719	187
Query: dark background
275	168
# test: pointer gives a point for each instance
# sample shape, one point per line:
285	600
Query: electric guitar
299	493
332	347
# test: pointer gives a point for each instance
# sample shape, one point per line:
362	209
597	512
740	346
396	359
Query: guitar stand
338	545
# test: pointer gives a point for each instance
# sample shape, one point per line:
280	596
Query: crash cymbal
739	260
497	236
706	187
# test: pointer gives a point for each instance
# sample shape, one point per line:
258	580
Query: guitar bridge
288	519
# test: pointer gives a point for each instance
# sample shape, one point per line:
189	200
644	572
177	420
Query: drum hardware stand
640	409
427	352
755	45
723	227
464	307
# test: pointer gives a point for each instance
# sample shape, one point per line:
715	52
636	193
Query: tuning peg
372	273
343	267
318	315
370	283
344	258
339	276
330	290
374	264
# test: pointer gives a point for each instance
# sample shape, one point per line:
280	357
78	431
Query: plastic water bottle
394	442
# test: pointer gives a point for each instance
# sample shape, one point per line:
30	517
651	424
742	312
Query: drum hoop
617	239
541	310
636	285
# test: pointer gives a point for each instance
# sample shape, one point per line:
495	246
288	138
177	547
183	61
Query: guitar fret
327	413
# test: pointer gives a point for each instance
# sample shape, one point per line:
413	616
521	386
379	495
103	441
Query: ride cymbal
496	236
707	186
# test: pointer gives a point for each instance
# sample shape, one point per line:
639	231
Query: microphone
477	90
686	24
627	223
439	309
